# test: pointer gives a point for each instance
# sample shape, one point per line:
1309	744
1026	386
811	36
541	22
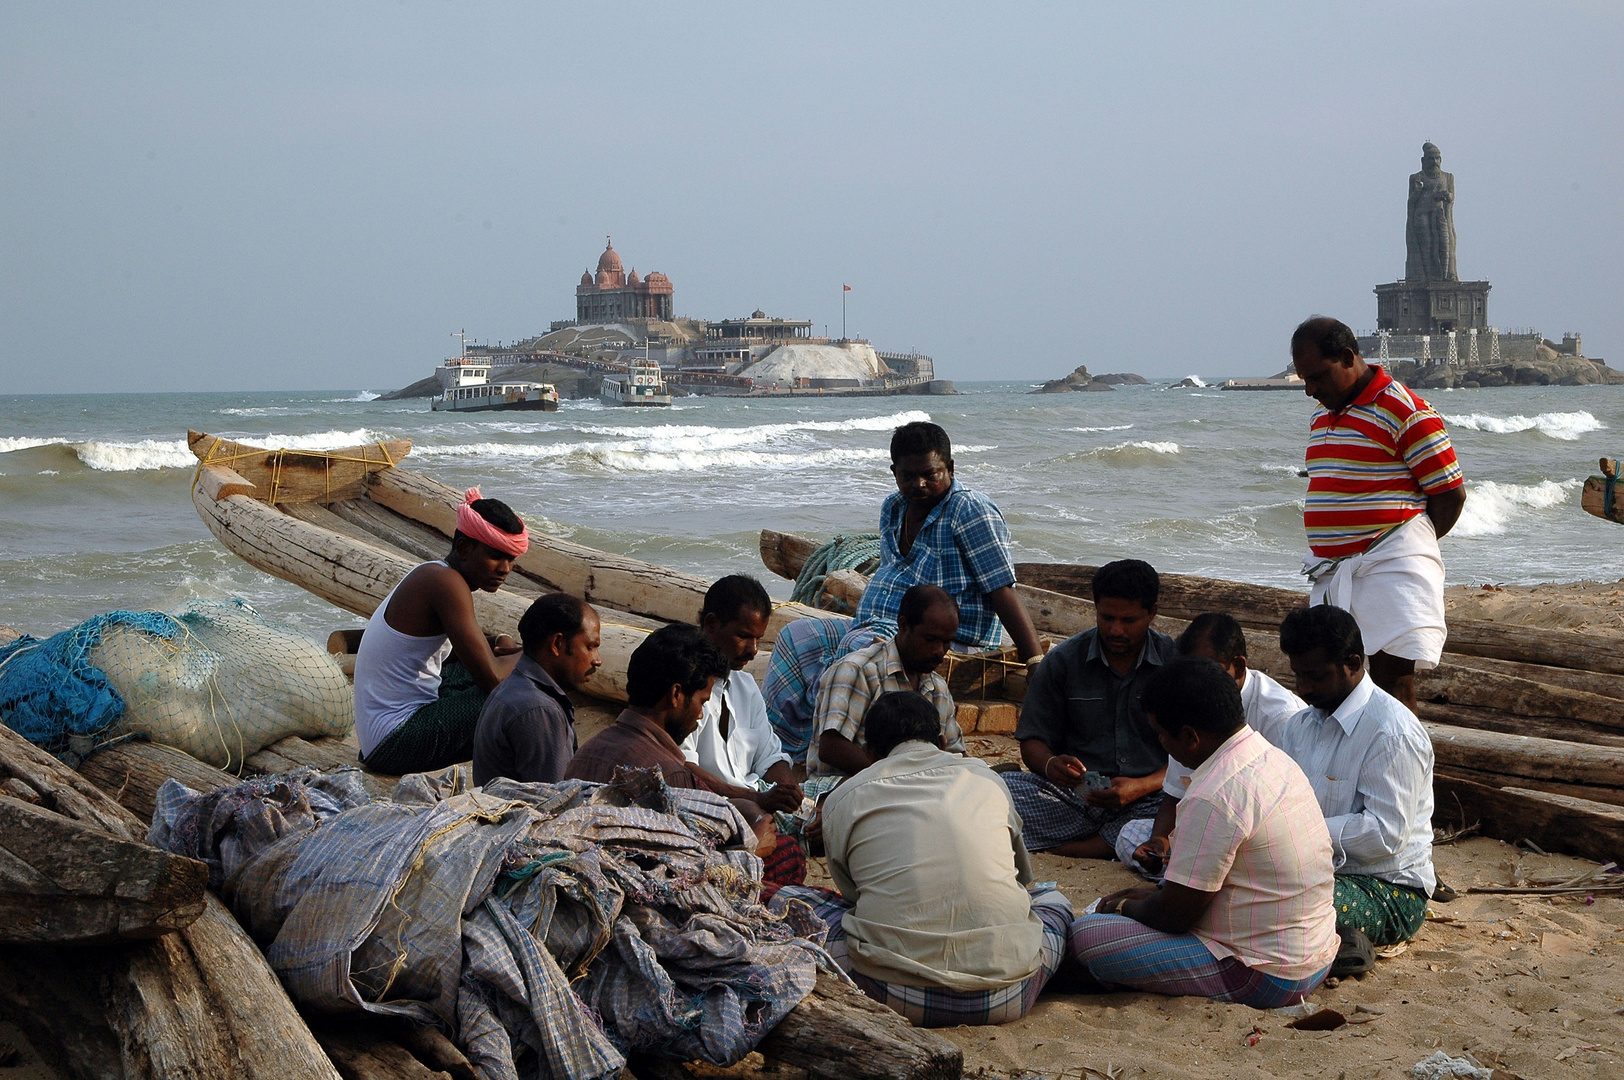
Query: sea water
95	509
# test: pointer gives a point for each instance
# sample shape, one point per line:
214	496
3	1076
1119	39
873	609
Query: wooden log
1262	607
1593	499
132	772
615	581
365	1055
64	883
292	476
842	591
785	553
1493	778
1591	830
198	1003
1523	756
219	481
1465	716
340	642
838	1033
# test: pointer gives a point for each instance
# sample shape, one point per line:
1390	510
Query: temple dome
657	278
609	261
586	277
632	278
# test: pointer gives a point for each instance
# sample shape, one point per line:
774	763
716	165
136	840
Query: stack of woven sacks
551	929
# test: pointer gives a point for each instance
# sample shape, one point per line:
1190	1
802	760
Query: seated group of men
1288	832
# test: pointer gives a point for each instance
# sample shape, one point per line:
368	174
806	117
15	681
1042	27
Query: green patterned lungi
1387	913
439	734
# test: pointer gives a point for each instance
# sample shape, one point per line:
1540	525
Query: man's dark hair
920	599
1322	627
1219	631
900	715
496	512
1195	692
1128	579
555	613
674	655
729	594
1329	336
921	437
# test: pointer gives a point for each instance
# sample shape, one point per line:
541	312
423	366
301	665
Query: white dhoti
1395	591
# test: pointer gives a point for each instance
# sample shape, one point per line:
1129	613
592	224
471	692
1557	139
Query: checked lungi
1052	815
1120	952
930	1006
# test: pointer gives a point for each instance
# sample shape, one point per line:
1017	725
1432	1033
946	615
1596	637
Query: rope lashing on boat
853	551
1609	482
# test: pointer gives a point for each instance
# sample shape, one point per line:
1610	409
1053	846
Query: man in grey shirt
1095	762
526	730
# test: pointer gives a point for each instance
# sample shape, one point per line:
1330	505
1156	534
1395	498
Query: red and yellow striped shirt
1371	466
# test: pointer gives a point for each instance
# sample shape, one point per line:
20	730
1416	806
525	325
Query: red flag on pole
845	288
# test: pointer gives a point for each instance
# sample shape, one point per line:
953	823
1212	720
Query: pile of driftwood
1527	724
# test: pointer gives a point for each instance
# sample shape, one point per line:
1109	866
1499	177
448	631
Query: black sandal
1356	956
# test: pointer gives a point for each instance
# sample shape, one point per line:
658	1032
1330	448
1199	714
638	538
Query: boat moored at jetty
643	385
488	397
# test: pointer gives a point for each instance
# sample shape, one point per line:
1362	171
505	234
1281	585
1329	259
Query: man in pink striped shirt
1244	913
1383	486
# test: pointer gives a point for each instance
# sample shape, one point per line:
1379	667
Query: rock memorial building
612	295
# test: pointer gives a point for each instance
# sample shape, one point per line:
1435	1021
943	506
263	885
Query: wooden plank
1593	499
1528	757
1591	830
289	476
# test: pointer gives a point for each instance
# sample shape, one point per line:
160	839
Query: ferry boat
643	386
468	389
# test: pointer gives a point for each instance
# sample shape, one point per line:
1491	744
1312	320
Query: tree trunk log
838	1033
198	1003
1262	607
62	883
1521	757
1590	830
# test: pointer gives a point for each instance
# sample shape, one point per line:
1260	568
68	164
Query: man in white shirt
1369	761
1144	845
934	918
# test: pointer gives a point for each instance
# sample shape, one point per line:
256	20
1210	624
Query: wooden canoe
351	550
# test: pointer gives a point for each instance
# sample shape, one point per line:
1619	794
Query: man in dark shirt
526	730
1095	762
668	680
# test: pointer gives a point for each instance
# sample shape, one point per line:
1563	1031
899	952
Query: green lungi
439	734
1387	913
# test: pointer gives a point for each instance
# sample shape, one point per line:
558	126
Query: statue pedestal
1432	307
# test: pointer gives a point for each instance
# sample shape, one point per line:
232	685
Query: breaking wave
1491	506
1091	430
1198	380
364	395
1567	426
627	457
1152	446
138	455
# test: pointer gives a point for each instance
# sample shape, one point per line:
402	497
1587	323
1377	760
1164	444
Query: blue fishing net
50	691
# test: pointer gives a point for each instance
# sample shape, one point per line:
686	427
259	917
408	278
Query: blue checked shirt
963	546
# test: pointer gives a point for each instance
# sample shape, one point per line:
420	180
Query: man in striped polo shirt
1383	486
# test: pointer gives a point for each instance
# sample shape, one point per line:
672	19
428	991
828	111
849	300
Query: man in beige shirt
934	918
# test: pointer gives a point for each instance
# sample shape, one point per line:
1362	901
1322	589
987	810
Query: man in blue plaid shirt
935	531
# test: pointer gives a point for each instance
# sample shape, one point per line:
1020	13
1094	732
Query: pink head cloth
471	525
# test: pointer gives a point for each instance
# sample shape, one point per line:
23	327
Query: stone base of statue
1432	307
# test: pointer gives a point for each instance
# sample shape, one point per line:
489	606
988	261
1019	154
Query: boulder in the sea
1080	379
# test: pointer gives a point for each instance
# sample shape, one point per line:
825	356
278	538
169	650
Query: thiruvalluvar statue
1430	234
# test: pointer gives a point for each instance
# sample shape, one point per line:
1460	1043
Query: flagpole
844	289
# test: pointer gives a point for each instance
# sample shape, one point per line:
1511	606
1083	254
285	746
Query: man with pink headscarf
414	710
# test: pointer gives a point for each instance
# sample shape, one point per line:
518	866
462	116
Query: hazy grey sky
270	196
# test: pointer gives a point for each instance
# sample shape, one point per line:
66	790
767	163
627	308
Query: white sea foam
321	440
1198	380
1567	426
365	395
263	411
108	456
1291	470
1091	430
629	457
1491	506
1143	444
22	442
755	433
